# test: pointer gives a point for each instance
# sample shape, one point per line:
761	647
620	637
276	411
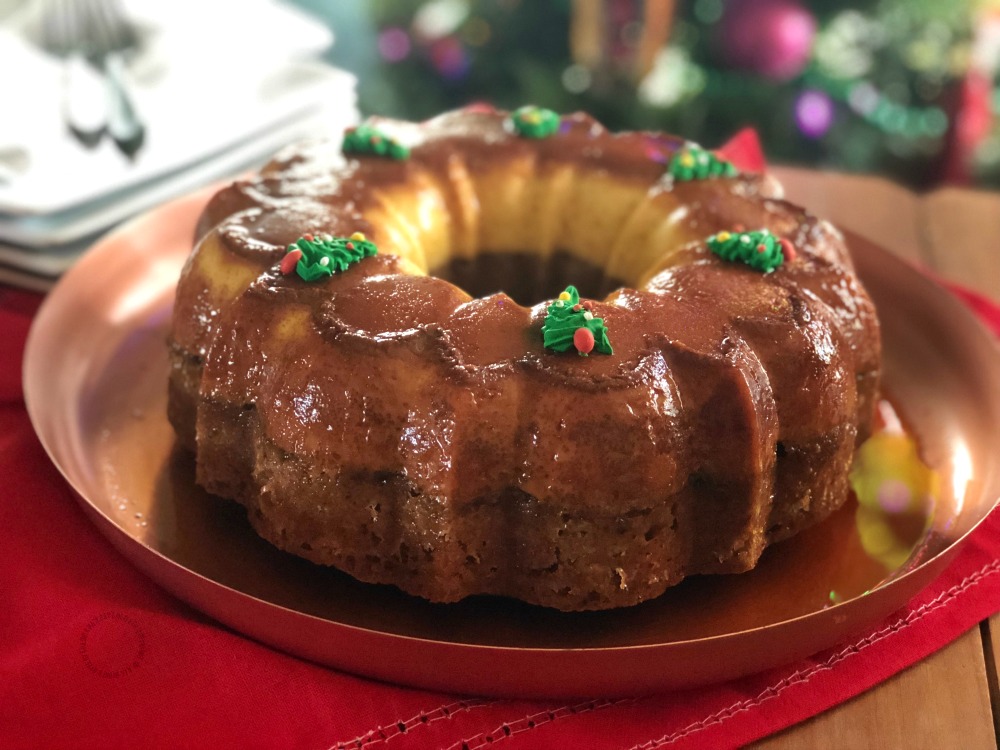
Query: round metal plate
95	385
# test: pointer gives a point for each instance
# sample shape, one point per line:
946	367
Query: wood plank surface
872	206
940	702
949	699
961	229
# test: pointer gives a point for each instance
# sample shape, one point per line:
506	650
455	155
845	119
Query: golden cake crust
385	422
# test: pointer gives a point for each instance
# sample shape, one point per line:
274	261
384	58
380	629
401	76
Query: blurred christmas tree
902	87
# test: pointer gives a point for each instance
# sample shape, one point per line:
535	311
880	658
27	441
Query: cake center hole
526	277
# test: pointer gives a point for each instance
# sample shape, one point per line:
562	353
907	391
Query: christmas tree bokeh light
906	88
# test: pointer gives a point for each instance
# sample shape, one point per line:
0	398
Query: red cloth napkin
94	655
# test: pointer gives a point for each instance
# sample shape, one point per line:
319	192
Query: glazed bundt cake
378	348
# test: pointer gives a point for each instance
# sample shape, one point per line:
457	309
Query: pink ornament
773	38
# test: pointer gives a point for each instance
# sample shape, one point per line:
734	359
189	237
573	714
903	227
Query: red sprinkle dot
307	237
349	245
788	249
577	308
739	227
588	305
761	248
583	340
290	260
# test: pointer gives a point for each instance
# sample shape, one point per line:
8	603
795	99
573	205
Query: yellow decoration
687	160
723	236
564	296
358	236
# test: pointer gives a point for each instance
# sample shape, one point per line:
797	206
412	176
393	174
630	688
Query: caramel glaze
389	424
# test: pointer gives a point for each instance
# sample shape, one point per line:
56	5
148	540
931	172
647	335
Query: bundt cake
378	349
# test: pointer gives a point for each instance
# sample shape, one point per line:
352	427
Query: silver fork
62	32
116	36
92	36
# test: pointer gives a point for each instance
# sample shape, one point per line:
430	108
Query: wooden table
952	698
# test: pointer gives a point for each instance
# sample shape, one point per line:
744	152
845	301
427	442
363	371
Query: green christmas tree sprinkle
760	250
534	122
367	139
695	163
565	318
315	257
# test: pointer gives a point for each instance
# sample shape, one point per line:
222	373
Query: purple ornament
450	58
813	113
772	38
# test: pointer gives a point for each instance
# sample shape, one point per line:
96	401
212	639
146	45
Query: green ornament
760	250
565	317
314	257
692	162
534	122
367	139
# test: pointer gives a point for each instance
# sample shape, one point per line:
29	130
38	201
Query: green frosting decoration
565	317
760	250
692	162
367	139
324	255
534	122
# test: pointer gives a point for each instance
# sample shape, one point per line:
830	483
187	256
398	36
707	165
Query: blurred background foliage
906	88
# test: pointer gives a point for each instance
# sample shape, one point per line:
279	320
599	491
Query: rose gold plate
95	385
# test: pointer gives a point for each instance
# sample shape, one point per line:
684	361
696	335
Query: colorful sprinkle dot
788	249
289	261
583	340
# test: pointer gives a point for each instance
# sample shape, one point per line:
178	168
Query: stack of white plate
220	87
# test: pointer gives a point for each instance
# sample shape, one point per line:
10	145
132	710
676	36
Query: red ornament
739	228
588	305
349	245
290	260
583	340
788	249
577	308
307	237
761	248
